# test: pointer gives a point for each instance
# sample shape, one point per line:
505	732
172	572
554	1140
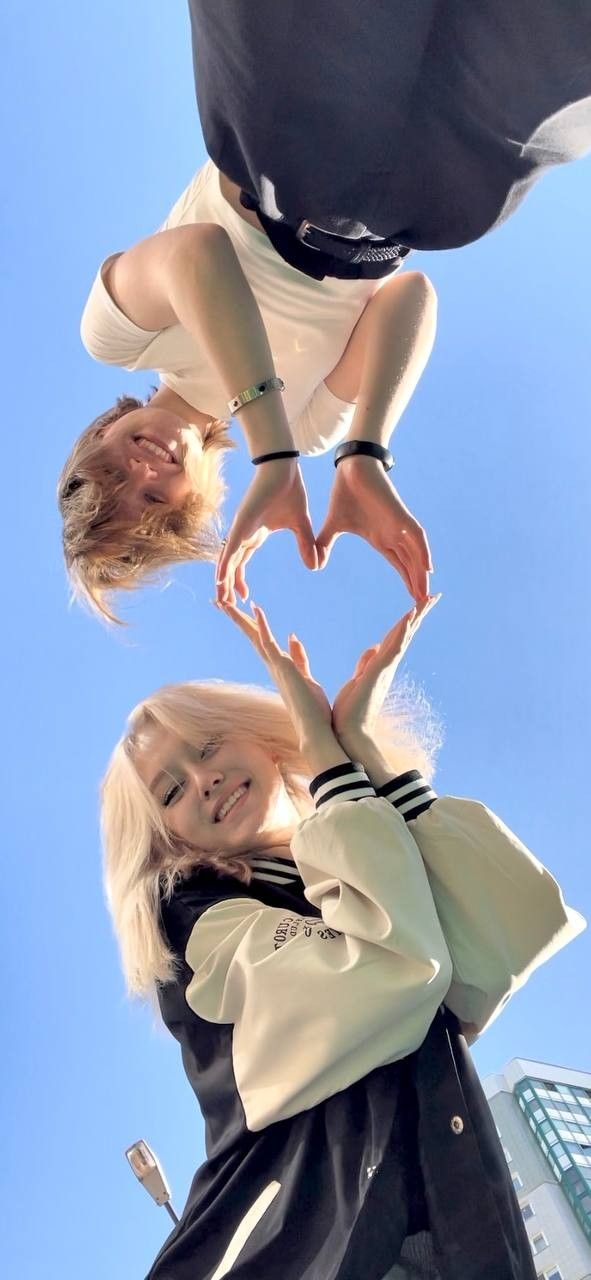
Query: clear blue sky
494	455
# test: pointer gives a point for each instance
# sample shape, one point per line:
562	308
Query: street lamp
148	1170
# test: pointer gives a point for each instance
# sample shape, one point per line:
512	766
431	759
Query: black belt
346	249
319	253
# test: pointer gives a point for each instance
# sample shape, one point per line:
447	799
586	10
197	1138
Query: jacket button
457	1124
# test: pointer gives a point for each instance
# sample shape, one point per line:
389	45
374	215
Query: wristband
270	457
351	447
255	392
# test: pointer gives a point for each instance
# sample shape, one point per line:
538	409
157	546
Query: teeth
230	802
156	449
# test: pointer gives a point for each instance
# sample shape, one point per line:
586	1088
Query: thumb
307	544
365	658
299	656
325	542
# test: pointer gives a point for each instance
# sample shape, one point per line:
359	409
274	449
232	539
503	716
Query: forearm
363	750
212	300
400	329
322	750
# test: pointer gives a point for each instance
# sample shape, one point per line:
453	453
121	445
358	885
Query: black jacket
318	1014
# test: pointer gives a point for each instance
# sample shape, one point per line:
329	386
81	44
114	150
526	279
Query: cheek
179	489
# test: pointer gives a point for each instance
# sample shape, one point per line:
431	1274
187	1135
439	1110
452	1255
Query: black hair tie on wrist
352	447
271	457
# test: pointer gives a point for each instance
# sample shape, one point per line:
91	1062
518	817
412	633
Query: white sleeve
318	1003
108	334
502	912
323	422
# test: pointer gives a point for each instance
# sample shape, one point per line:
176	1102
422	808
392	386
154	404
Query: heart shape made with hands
363	501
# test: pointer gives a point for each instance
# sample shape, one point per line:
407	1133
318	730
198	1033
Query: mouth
231	803
155	448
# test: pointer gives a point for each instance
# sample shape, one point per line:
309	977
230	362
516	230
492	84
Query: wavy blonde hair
107	552
143	861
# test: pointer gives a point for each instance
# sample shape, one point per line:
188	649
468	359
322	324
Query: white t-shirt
308	324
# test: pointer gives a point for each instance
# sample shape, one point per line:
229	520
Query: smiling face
153	450
223	796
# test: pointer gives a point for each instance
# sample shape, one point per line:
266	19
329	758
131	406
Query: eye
208	748
153	498
172	793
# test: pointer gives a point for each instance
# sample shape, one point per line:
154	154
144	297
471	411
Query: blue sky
493	455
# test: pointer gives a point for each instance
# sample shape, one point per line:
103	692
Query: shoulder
191	897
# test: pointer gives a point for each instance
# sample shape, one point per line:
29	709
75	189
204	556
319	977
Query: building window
554	1274
539	1242
527	1212
528	1094
507	1155
517	1183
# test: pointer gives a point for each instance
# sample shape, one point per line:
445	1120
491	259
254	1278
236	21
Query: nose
140	468
207	780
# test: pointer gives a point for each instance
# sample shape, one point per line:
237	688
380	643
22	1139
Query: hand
276	499
364	501
358	704
306	702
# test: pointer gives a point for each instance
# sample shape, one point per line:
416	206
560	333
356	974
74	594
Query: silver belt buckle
303	229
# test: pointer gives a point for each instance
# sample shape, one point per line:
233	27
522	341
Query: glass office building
543	1117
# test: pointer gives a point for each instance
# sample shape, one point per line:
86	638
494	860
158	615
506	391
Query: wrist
321	749
360	746
264	425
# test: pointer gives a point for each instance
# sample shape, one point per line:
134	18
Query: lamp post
149	1172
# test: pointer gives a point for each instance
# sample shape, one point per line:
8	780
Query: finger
299	656
267	638
306	541
418	538
395	639
240	585
410	553
365	658
420	584
225	581
427	558
396	558
325	542
418	561
243	621
226	553
425	607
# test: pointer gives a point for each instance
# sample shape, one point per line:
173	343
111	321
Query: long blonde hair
143	861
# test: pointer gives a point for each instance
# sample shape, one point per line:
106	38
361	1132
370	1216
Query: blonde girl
323	935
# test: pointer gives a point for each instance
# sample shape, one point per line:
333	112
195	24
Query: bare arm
386	355
379	369
191	276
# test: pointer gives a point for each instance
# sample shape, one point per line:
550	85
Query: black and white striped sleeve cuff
343	782
409	793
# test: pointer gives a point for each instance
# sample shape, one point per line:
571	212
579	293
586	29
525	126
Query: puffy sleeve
106	332
502	912
318	1001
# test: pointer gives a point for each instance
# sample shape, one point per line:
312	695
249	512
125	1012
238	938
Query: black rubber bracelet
271	457
352	447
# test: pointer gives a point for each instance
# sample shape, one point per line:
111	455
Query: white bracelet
255	392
